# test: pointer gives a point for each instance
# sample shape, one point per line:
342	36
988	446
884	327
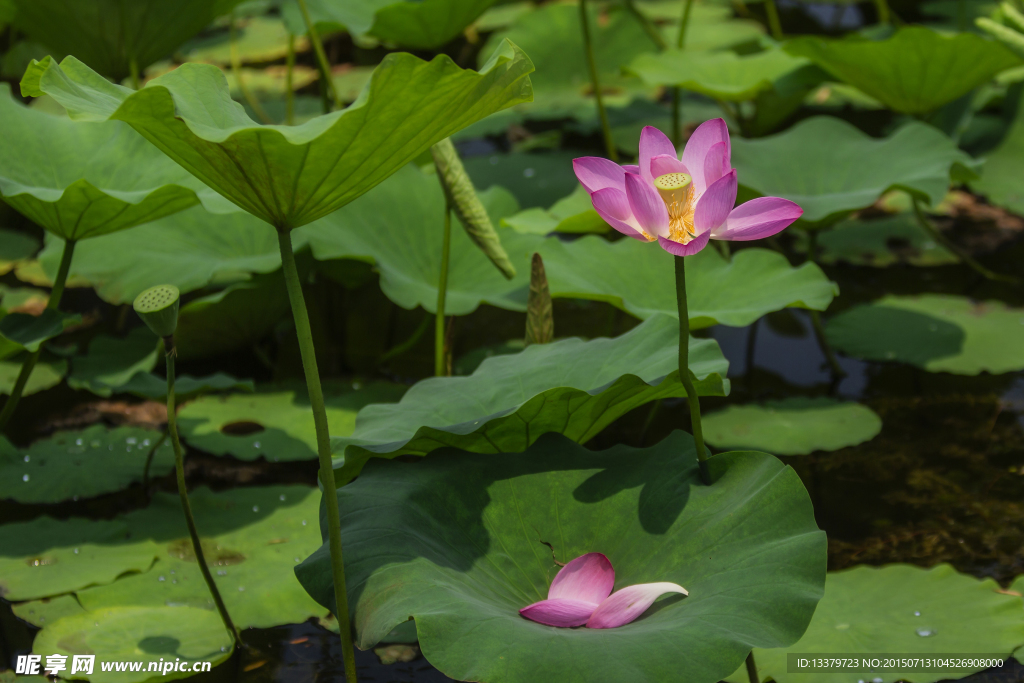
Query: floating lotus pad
81	464
572	387
1003	167
915	71
831	168
252	538
81	180
291	175
794	426
939	333
139	634
110	362
109	35
29	331
39	613
497	525
47	373
572	214
275	423
882	242
257	39
899	609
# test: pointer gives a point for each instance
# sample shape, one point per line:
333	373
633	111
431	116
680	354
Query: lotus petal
589	578
559	612
629	603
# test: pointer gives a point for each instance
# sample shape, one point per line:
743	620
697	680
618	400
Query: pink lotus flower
684	203
582	594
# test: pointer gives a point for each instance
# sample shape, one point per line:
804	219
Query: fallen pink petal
629	603
681	202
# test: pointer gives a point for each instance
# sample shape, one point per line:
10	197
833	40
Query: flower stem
29	363
321	56
133	73
323	447
883	12
179	466
684	368
440	366
773	19
963	256
289	83
684	22
588	48
819	330
752	668
649	28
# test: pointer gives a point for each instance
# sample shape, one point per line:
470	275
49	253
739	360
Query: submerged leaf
292	175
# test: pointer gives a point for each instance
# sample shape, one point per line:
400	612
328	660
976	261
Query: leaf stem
442	294
321	56
684	368
29	363
752	668
289	83
595	83
236	70
323	447
773	19
133	73
884	17
684	22
649	28
819	330
962	255
179	466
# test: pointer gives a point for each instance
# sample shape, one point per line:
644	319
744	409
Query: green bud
158	308
540	321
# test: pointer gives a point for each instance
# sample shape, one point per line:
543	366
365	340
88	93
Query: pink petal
646	205
653	143
588	578
713	206
629	603
631	168
666	163
758	218
688	249
559	612
707	135
716	163
613	207
596	173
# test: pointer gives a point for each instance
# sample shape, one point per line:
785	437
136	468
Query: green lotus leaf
899	609
48	557
915	71
39	613
257	39
830	168
939	333
112	36
719	75
252	538
29	331
882	242
275	423
421	25
535	179
148	385
149	635
572	214
81	464
81	180
292	175
16	246
191	250
572	387
397	227
473	539
712	26
48	372
792	426
111	362
552	37
1004	166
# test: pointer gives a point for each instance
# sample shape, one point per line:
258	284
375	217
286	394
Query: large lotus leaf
47	557
29	331
398	228
792	426
552	37
275	423
82	180
257	39
39	613
110	361
15	246
882	242
915	71
572	214
719	75
109	35
253	537
535	179
901	609
940	333
572	387
423	25
47	373
81	464
1004	167
149	385
186	636
470	540
191	250
830	168
291	175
